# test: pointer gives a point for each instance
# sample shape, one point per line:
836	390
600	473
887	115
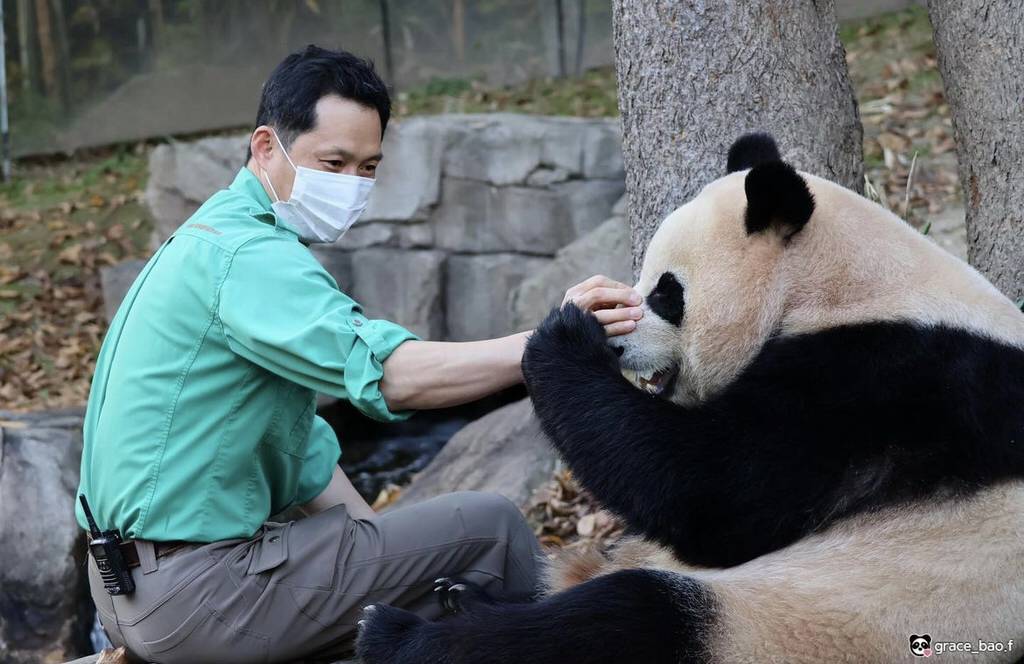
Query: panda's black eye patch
666	299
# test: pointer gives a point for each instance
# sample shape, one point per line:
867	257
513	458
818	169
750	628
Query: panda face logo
921	646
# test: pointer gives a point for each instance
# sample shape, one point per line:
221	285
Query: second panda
820	441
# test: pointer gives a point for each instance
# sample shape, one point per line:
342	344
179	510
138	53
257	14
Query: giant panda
816	432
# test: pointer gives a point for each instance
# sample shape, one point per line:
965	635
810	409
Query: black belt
131	553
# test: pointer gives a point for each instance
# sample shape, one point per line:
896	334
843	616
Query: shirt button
357	322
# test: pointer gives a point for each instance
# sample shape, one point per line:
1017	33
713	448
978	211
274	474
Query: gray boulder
476	216
183	175
582	147
605	250
115	281
404	286
43	591
478	299
409	178
503	452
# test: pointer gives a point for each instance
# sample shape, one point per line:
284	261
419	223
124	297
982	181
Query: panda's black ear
752	150
777	197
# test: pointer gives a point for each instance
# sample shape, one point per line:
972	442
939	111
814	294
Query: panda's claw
457	595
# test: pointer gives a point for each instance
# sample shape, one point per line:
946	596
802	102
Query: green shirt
201	420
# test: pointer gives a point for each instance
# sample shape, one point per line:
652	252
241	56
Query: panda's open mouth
659	382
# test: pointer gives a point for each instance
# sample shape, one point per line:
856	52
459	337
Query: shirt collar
247	184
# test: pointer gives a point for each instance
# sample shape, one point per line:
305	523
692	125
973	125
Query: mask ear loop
277	199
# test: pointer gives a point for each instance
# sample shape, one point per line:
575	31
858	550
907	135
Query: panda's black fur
784	450
817	428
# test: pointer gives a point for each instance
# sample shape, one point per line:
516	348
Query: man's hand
615	304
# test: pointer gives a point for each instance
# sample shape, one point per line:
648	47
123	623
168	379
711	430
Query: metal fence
92	72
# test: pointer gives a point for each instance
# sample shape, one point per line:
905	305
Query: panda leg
630	616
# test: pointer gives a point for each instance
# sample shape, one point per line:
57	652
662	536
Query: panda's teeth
649	381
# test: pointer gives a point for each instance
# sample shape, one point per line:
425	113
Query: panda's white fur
768	532
853	262
856	592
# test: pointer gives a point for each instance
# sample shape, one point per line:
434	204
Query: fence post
5	134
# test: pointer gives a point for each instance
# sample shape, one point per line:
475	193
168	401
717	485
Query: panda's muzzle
659	382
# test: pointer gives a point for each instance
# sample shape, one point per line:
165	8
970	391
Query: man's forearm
339	491
436	374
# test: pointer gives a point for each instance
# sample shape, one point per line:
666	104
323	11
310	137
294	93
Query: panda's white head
767	251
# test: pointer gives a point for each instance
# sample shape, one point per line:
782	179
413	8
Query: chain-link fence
94	72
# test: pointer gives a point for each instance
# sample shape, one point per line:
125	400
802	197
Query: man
201	419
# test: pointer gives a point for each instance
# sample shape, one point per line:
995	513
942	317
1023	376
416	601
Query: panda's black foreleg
629	616
638	454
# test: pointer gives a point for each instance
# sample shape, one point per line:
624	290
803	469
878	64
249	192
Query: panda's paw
459	595
386	635
568	337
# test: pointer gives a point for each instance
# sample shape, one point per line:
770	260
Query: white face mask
322	205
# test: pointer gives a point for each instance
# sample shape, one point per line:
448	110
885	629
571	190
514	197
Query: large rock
43	591
504	452
115	281
401	286
475	216
183	175
338	264
604	250
409	178
582	147
479	292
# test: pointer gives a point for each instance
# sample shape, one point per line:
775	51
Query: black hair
289	97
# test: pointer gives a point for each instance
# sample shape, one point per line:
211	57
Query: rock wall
43	615
466	208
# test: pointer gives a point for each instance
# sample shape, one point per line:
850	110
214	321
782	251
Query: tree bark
24	12
981	56
63	54
581	34
47	50
459	30
560	29
693	75
156	18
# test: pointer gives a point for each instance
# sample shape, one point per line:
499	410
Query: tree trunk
47	50
695	75
24	12
389	61
981	56
459	30
156	18
581	34
560	30
63	54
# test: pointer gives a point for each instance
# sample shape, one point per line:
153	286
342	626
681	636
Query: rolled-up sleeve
323	452
279	308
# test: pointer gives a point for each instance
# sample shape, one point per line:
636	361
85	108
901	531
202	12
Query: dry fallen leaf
72	255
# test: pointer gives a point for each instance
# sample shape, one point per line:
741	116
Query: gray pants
296	590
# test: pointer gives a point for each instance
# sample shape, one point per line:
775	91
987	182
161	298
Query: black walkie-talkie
106	550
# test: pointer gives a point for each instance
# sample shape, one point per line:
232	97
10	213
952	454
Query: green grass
49	208
591	95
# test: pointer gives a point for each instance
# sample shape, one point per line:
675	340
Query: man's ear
262	145
777	198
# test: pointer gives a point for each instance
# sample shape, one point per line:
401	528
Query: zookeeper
201	418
